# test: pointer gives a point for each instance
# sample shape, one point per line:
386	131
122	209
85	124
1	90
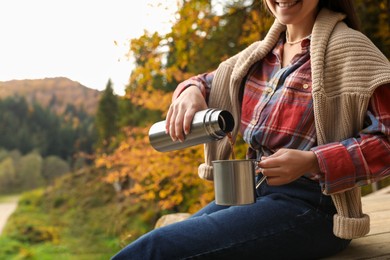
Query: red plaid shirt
277	112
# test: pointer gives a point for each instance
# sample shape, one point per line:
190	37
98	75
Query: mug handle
261	181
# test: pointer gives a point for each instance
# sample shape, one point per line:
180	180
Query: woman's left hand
287	165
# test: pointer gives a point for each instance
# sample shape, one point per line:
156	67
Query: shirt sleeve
363	159
202	81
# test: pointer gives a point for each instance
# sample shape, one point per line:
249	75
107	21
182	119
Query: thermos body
207	125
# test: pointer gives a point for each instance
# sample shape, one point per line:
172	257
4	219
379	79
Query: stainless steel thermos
207	125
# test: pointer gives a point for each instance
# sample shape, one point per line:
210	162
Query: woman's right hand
182	111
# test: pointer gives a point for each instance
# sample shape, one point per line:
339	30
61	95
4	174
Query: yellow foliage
147	175
154	100
161	61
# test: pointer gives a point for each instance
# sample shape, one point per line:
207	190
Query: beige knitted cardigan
346	69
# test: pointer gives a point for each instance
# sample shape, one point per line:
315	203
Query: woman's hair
342	6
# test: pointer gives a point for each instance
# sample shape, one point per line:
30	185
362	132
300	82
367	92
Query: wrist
314	165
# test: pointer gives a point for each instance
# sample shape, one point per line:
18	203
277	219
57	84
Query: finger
258	170
178	126
271	172
271	163
189	116
168	119
171	125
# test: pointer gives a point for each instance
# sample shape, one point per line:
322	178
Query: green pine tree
107	117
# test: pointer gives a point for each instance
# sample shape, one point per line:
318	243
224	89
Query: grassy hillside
78	218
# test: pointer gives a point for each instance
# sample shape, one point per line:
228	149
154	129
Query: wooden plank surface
375	245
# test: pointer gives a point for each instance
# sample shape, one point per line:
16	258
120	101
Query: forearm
203	82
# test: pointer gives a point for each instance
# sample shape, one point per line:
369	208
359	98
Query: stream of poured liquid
231	141
233	155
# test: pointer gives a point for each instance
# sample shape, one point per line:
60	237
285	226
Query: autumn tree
168	180
200	38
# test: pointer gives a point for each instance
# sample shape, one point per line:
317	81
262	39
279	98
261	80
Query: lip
286	4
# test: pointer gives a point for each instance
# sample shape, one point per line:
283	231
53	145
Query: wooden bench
376	244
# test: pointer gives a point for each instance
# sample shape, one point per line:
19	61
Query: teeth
286	4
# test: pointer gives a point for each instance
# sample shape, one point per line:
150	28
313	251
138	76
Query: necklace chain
297	41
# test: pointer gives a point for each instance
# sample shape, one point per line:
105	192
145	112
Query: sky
83	40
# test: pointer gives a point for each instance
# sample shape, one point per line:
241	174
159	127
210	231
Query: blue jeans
292	221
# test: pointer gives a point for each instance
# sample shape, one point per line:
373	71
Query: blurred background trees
26	172
201	38
107	117
46	131
374	17
204	34
129	185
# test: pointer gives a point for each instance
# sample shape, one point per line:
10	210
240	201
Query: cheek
270	4
311	4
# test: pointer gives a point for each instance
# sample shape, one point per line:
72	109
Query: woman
311	102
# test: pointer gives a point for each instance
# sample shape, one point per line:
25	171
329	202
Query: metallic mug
234	182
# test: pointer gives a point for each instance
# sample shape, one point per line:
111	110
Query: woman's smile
286	4
297	13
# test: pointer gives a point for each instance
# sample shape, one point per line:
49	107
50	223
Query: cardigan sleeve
362	159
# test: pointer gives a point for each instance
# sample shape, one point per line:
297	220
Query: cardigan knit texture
346	69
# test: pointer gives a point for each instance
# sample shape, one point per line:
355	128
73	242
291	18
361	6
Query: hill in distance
55	93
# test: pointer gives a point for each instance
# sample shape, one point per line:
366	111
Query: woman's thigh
275	227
